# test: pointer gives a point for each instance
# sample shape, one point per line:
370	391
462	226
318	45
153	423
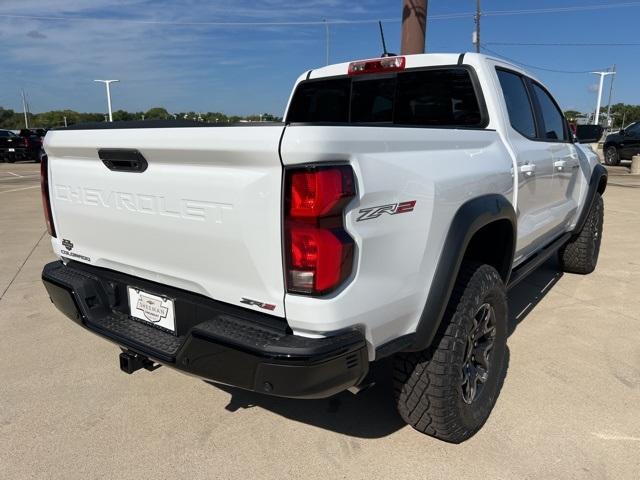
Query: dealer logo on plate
152	309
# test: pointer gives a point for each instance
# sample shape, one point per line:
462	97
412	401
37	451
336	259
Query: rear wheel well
602	184
493	245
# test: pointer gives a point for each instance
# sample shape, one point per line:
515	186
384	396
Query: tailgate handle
123	159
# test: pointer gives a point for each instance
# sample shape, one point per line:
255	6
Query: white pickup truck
387	216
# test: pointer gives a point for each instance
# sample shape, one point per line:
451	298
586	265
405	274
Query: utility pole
476	33
602	75
610	95
65	121
326	26
24	109
107	84
414	26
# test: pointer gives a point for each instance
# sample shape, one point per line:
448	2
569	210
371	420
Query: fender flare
597	184
469	219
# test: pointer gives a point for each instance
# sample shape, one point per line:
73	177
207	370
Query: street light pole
326	25
602	75
610	95
107	84
24	109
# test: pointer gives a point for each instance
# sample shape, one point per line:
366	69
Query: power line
581	8
564	44
534	67
494	13
212	23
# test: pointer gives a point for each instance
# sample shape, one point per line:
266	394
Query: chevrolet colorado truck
387	216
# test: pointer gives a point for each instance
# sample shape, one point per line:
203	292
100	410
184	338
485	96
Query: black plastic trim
396	345
599	173
522	271
469	219
123	159
211	342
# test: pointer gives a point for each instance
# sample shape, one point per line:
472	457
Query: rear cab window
431	97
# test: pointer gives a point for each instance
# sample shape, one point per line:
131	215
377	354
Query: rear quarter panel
397	255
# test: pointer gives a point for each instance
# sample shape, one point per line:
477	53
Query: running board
522	271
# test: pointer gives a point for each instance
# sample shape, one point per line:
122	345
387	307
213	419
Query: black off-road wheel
580	254
612	156
449	390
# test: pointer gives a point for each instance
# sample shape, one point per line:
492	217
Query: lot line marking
19	177
607	436
23	264
14	174
20	189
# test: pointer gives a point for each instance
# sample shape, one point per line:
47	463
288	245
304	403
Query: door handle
528	169
123	159
560	165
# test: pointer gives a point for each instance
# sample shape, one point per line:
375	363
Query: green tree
157	113
123	116
571	115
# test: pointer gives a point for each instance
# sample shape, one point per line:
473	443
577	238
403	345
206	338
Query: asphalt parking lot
569	408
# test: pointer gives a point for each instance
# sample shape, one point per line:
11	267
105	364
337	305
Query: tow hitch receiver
131	362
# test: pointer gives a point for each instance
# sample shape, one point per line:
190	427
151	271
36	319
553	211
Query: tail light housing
46	199
319	252
25	141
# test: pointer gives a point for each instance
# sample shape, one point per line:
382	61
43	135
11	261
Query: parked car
622	145
379	220
13	147
34	138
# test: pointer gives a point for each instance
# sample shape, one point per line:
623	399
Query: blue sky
243	70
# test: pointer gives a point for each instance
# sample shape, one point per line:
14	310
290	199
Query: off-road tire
612	156
428	384
580	254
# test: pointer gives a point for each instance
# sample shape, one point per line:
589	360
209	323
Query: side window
634	129
518	103
554	126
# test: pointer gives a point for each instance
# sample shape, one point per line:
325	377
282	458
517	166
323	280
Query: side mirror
588	133
623	132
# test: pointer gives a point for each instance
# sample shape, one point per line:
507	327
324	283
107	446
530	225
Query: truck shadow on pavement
372	413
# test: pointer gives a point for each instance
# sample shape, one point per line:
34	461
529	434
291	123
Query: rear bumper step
214	341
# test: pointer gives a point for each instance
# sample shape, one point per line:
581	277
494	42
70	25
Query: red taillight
46	199
319	193
26	142
379	65
319	252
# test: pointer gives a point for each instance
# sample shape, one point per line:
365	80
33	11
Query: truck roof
420	60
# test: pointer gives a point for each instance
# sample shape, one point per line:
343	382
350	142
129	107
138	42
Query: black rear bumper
213	340
17	154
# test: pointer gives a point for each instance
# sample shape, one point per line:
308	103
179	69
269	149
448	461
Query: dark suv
622	145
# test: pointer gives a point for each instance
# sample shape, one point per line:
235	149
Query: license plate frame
156	310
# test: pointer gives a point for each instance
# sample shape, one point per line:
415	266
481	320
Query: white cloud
158	64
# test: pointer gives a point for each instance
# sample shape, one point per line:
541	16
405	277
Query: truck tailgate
204	216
